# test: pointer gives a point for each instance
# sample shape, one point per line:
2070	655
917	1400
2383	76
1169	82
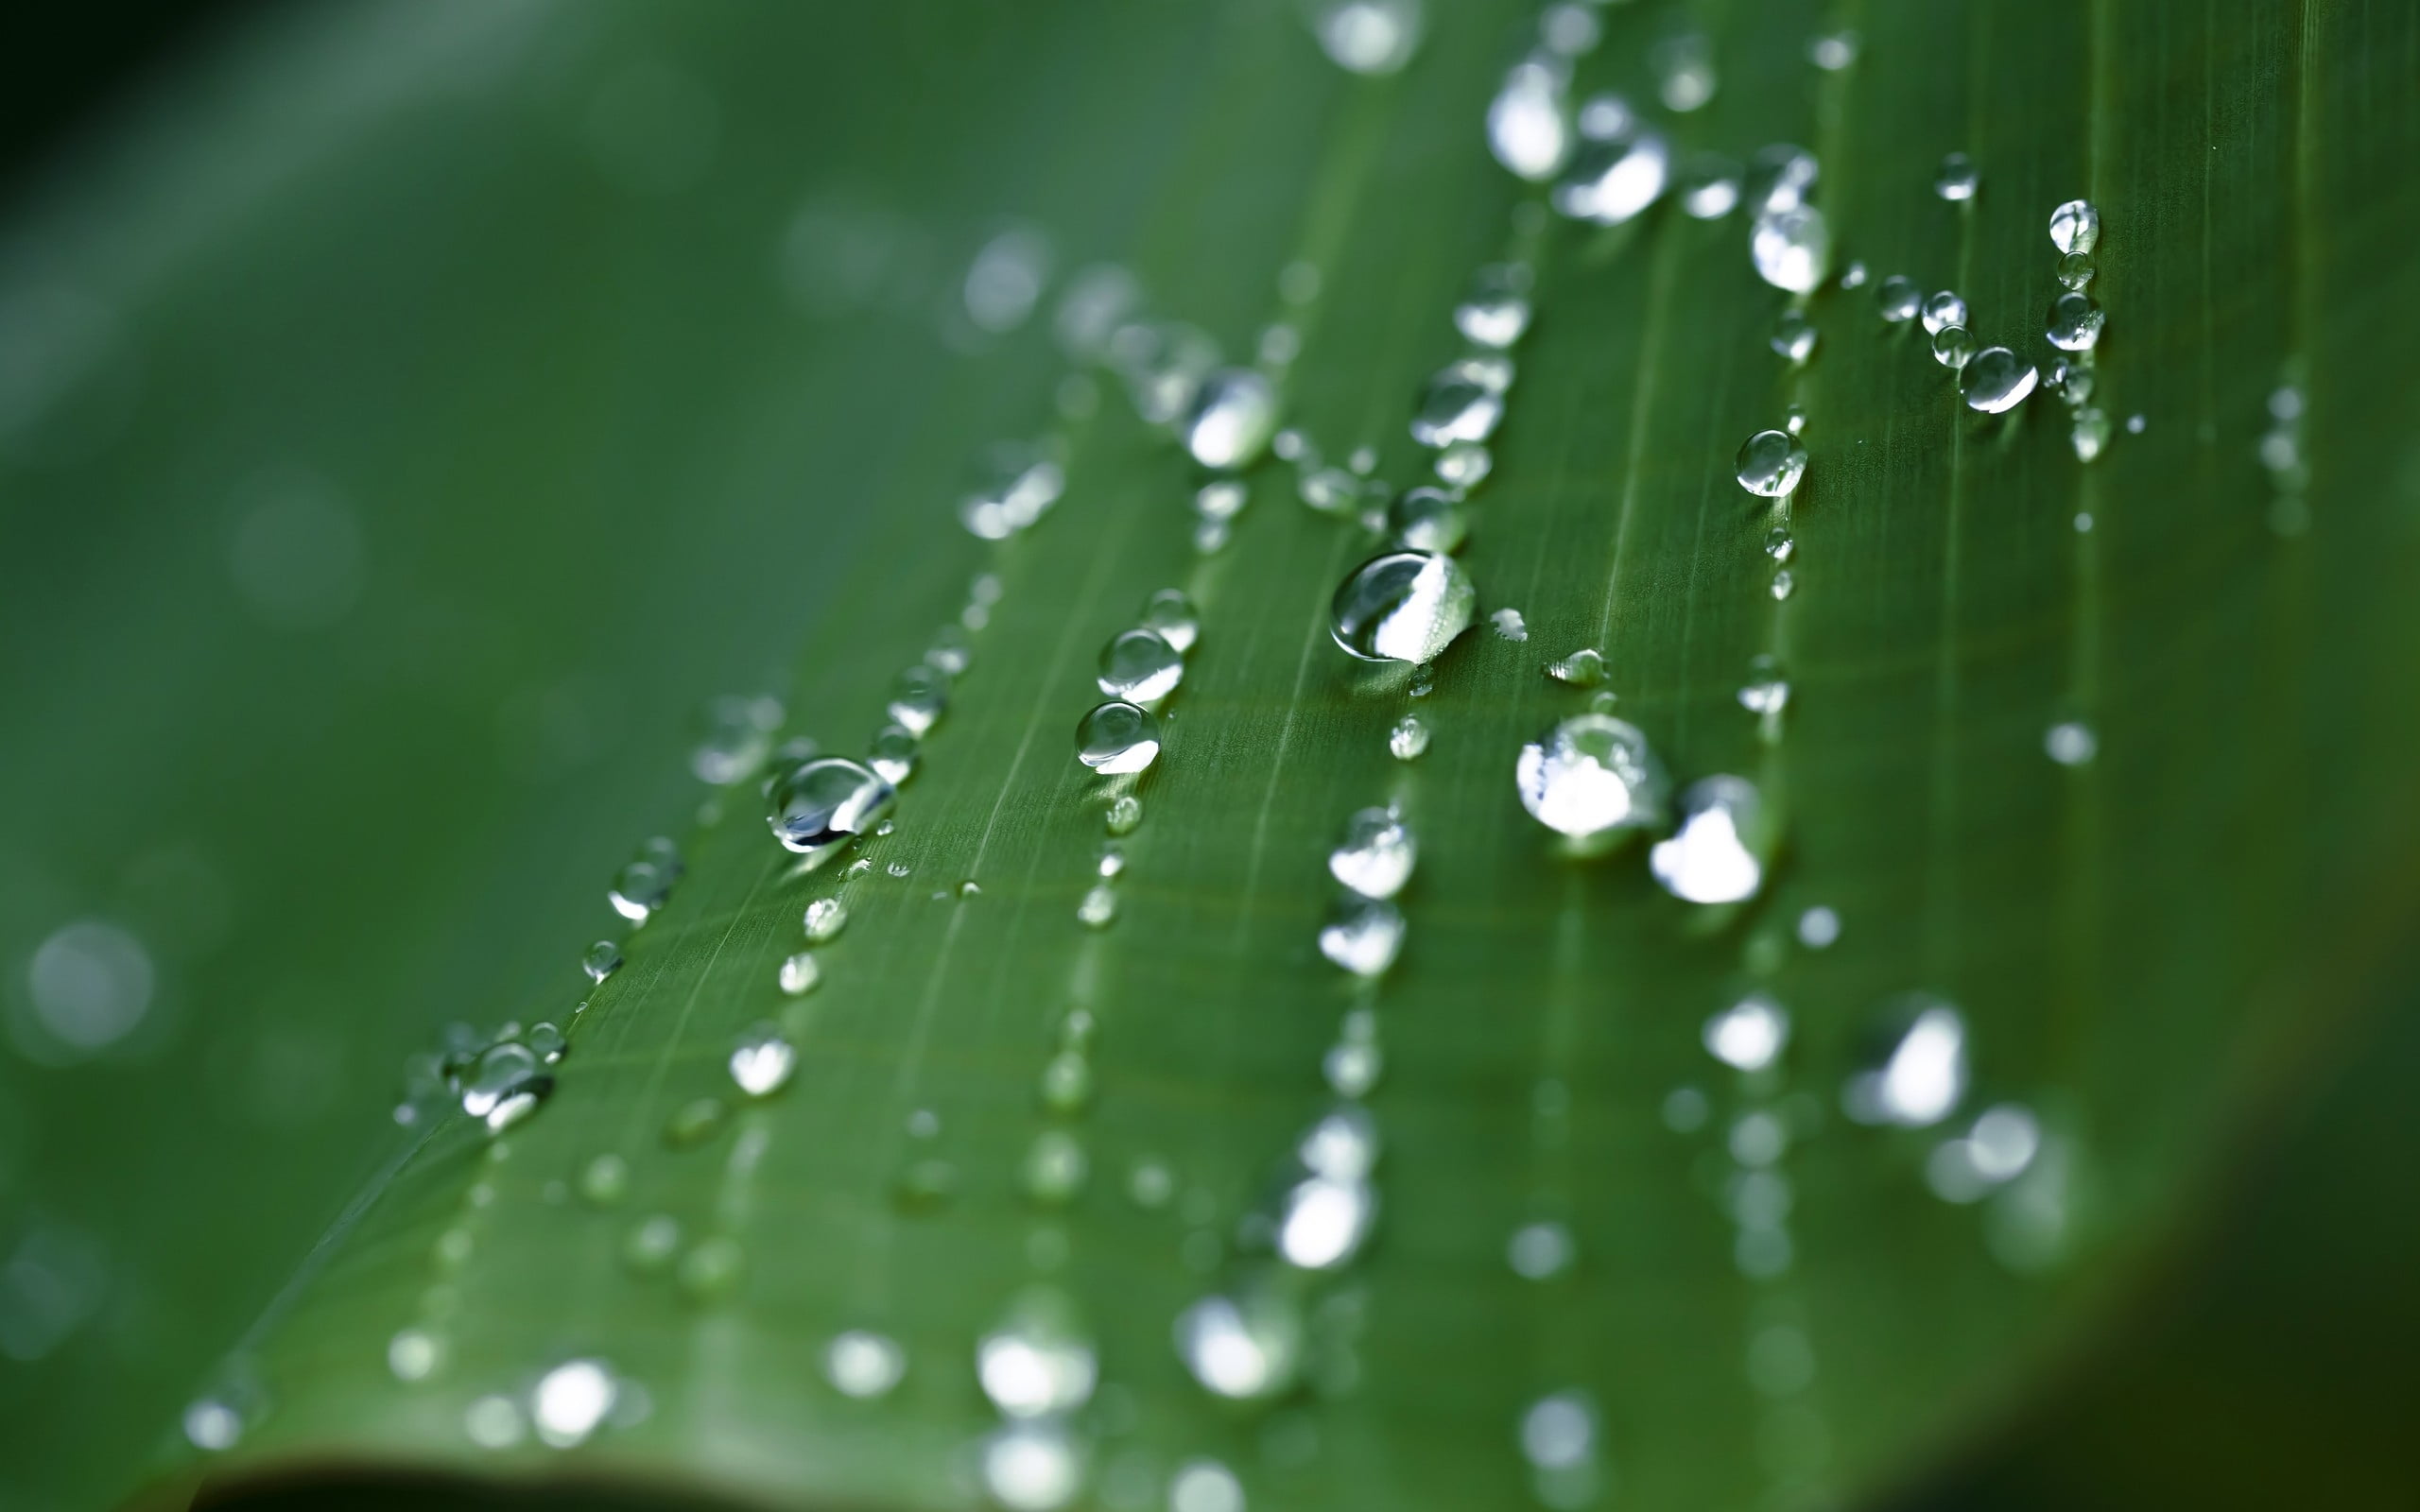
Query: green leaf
630	344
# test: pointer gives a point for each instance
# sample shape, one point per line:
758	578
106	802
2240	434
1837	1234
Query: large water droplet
819	806
1708	861
603	959
1365	935
2074	322
1528	125
1370	36
2075	227
1591	775
1117	737
1791	249
1995	380
1462	402
1953	348
1233	417
1376	857
1749	1035
1915	1072
1325	1222
1611	181
1770	463
1944	308
1140	666
1246	1347
1496	310
1171	616
763	1060
1427	519
1406	606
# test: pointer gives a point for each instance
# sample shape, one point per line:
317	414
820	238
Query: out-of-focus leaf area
1835	930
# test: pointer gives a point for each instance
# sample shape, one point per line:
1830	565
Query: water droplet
864	1364
649	1248
1325	1222
546	1043
1770	463
1610	180
1407	738
1464	465
1749	1035
1427	519
1780	177
819	806
1791	249
1098	907
1038	1362
605	1181
603	959
1559	1439
763	1060
1957	178
571	1400
1066	1082
1832	51
824	918
1461	401
1032	1467
642	885
893	755
1897	298
1780	544
738	734
1709	186
1528	126
1117	737
1352	1068
1539	1251
918	697
1328	489
2091	433
1943	309
1364	936
1583	668
2076	269
1124	814
1246	1347
2075	227
1591	775
1233	414
1708	861
1017	483
1953	348
495	1422
695	1122
1204	1484
217	1423
1510	624
1818	928
2071	744
1915	1075
505	1085
799	973
950	653
414	1354
2074	322
1170	616
1995	380
1793	338
1140	666
1684	77
1370	36
1055	1168
1376	857
1405	606
1766	693
1496	310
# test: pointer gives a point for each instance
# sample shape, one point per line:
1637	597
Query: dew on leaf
1125	813
1055	1168
1117	737
1364	936
1613	180
1793	338
1591	775
1539	1251
1791	249
1098	909
695	1122
1377	855
603	959
2075	227
1996	380
761	1061
1708	861
863	1364
1139	666
2076	269
1496	310
1583	668
1914	1074
2071	743
2074	322
1233	414
1325	1222
1405	606
1770	463
1170	616
893	755
738	736
1461	401
820	805
799	973
918	697
1953	348
1528	122
1407	738
1032	1467
1370	36
824	920
1245	1348
1944	308
1749	1035
1956	179
1038	1362
1780	177
571	1400
1427	519
1897	298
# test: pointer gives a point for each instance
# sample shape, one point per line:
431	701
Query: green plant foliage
630	344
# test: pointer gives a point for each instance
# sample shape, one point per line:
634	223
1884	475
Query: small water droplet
1791	249
918	697
1793	338
1140	666
2091	433
1709	186
643	884
1407	738
2074	322
2071	743
1953	348
1125	812
1832	51
1819	927
824	918
2075	227
1496	310
505	1085
711	1269
1943	309
1995	380
695	1122
864	1364
1528	122
649	1248
1233	414
1461	401
1098	907
1017	482
1559	1439
739	736
1032	1467
1709	861
1364	936
1117	737
1427	519
1376	856
603	959
2076	269
897	869
1066	1082
820	805
1780	177
1613	177
1685	77
1246	1347
1038	1362
1324	1222
1957	178
2137	423
1370	36
1897	298
1780	544
1539	1251
1464	465
1750	1035
1510	624
546	1043
571	1401
1914	1072
1583	668
414	1354
799	973
1770	463
1055	1168
1766	693
1170	616
761	1061
893	755
1590	776
1352	1068
605	1181
495	1421
1405	606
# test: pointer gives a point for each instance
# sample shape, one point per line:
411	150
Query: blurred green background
411	413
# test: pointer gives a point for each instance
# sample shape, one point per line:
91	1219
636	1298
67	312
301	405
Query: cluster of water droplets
2073	326
2282	458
